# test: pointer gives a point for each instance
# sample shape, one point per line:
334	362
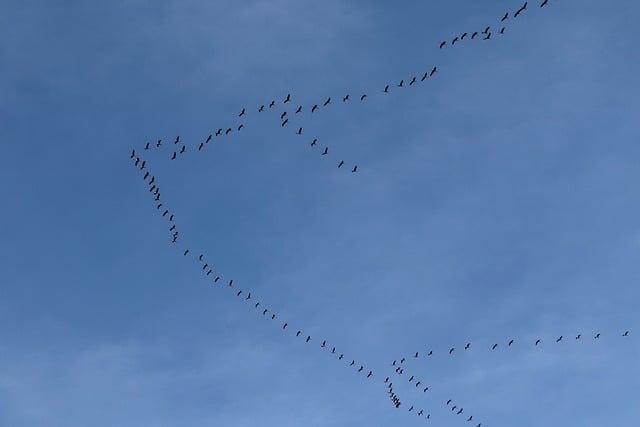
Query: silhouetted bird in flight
364	95
443	44
369	374
308	338
264	312
463	36
200	146
273	316
327	102
434	70
299	131
298	333
241	113
208	139
261	109
448	401
544	3
454	408
504	18
137	161
271	104
467	346
345	98
248	296
186	252
559	338
430	353
285	326
460	411
183	149
451	350
455	39
578	336
596	336
341	163
285	122
494	347
470	418
287	99
326	150
219	131
411	379
487	37
314	142
502	30
227	131
177	139
401	83
299	109
486	30
413	80
146	147
159	143
415	355
522	9
146	175
626	334
386	90
473	36
282	115
538	341
510	342
314	108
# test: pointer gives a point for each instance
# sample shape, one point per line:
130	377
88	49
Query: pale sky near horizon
496	200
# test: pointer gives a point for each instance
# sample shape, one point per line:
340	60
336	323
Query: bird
538	341
386	380
596	336
315	140
264	312
473	36
159	143
430	353
314	108
326	150
299	131
353	362
522	9
425	389
494	347
448	401
231	286
411	409
209	272
285	122
227	131
486	30
248	294
411	379
443	44
470	418
216	279
327	102
177	139
401	83
186	252
299	109
510	342
173	227
241	113
239	292
340	357
463	36
146	175
298	333
208	139
364	95
287	99
361	368
200	257
369	374
341	163
183	149
626	334
487	37
417	384
544	3
386	89
345	98
466	347
578	336
355	169
257	304
240	127
502	30
165	212
454	408
460	411
200	146
420	413
559	338
451	350
284	326
261	109
402	360
413	80
144	162
272	103
137	161
434	70
146	147
455	39
153	179
505	17
219	131
273	316
204	267
415	355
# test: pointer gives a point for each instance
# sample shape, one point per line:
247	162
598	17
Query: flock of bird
286	120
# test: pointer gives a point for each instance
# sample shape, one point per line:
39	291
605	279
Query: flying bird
146	147
355	169
451	350
494	347
538	341
315	140
299	109
460	411
285	326
137	161
415	355
285	122
413	80
369	374
522	9
434	70
411	379
502	30
287	99
341	163
578	336
559	338
345	98
299	131
298	333
186	252
448	401
227	131
401	83
473	36
326	150
430	353
443	44
470	418
241	113
200	146
463	36
240	127
219	131
386	89
264	312
486	30
510	342
455	39
271	104
314	108
159	143
626	334
505	17
208	139
327	102
596	336
544	3
364	95
183	149
261	109
177	139
487	37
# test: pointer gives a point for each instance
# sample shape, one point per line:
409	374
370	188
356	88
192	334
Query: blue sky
497	200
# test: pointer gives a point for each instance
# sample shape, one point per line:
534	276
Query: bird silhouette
241	113
430	353
227	131
137	161
345	98
314	108
299	109
208	139
273	316
486	30
413	80
544	3
504	18
159	143
451	350
264	311
417	384
146	147
261	109
285	122
453	408
487	37
186	252
502	30
626	334
522	9
470	418
363	97
341	163
596	336
355	169
299	131
298	333
455	39
494	347
369	374
177	139
401	83
448	401
239	292
326	150
463	36
287	99
467	346
473	36
578	336
165	212
200	146
315	140
559	338
386	89
146	175
415	355
510	342
327	102
282	115
285	326
443	44
538	341
153	179
411	379
183	149
271	104
460	411
219	131
434	70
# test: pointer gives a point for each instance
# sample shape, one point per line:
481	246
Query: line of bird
486	33
507	344
207	270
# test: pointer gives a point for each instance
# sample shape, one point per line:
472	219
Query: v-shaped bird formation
291	118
